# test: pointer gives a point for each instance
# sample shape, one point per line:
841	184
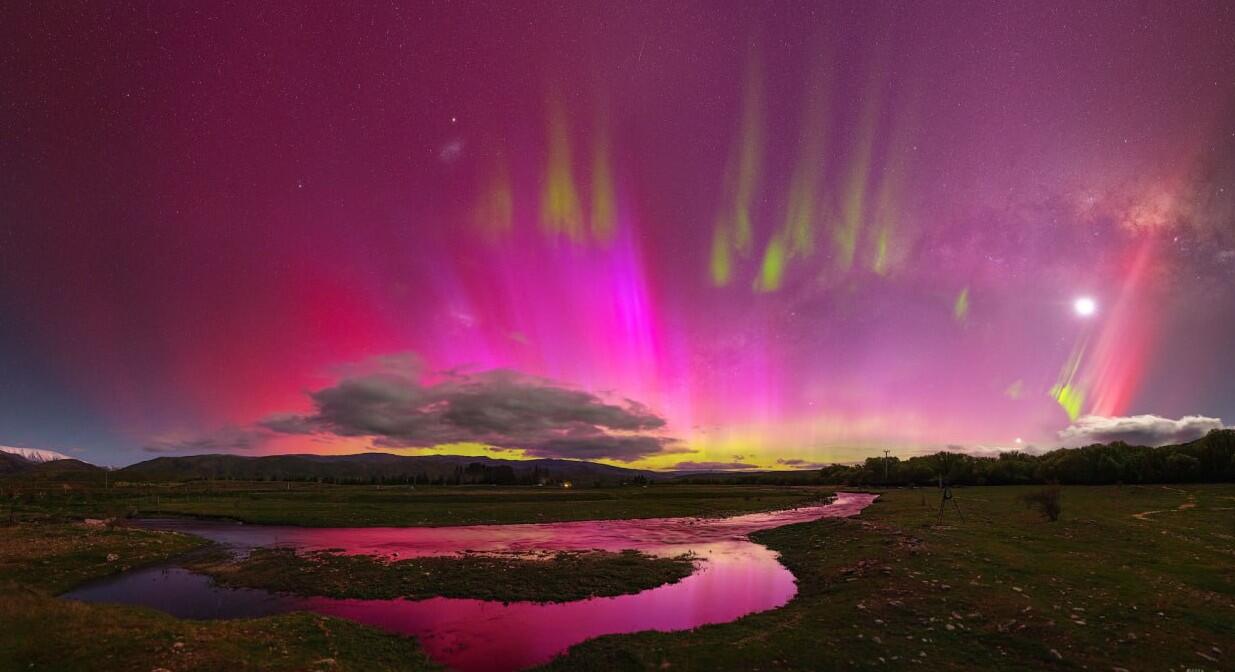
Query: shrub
1046	501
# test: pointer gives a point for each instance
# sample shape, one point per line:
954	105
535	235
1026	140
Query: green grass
558	577
41	632
1101	589
1134	577
319	505
51	558
44	633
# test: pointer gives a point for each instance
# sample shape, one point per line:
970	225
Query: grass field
559	577
320	505
41	632
1133	578
42	555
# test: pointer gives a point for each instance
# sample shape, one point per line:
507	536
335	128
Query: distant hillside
67	470
378	468
11	463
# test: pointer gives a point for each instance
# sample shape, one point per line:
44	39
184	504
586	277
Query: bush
1046	501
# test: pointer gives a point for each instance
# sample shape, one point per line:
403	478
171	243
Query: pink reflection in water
734	577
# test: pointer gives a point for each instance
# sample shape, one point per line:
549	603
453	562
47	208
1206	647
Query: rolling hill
377	468
11	463
67	470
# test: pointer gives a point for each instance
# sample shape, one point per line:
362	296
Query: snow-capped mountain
35	454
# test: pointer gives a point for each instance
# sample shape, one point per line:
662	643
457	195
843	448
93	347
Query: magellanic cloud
501	408
1139	430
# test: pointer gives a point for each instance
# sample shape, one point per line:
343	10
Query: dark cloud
800	464
712	466
288	423
1138	430
386	400
622	448
222	441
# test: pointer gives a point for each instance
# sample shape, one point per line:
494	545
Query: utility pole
885	466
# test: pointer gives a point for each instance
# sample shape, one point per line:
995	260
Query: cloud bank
225	440
1139	430
712	466
504	409
800	464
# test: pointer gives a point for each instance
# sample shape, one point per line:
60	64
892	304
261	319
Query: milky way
781	235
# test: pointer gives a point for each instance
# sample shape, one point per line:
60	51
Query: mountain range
357	468
378	468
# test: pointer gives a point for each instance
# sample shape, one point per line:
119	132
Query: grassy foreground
558	577
322	505
41	632
1130	578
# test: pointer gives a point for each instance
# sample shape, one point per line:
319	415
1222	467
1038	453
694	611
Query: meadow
1130	577
327	505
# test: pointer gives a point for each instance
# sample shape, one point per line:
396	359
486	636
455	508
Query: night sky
649	233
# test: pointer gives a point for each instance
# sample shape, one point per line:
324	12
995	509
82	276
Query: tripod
947	495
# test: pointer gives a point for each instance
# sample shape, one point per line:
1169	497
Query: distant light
1018	440
1085	306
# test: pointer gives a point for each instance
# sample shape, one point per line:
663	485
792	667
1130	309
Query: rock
1056	654
112	557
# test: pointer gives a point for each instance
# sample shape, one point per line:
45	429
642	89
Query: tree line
1208	459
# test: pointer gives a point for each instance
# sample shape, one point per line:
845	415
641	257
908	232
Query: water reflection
734	577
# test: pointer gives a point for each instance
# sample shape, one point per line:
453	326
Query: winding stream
734	577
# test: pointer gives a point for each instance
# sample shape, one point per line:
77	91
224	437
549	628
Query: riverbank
39	631
324	505
1133	577
542	577
1129	578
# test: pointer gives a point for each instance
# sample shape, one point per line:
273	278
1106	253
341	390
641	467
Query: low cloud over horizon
800	464
691	465
1141	430
386	401
224	440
